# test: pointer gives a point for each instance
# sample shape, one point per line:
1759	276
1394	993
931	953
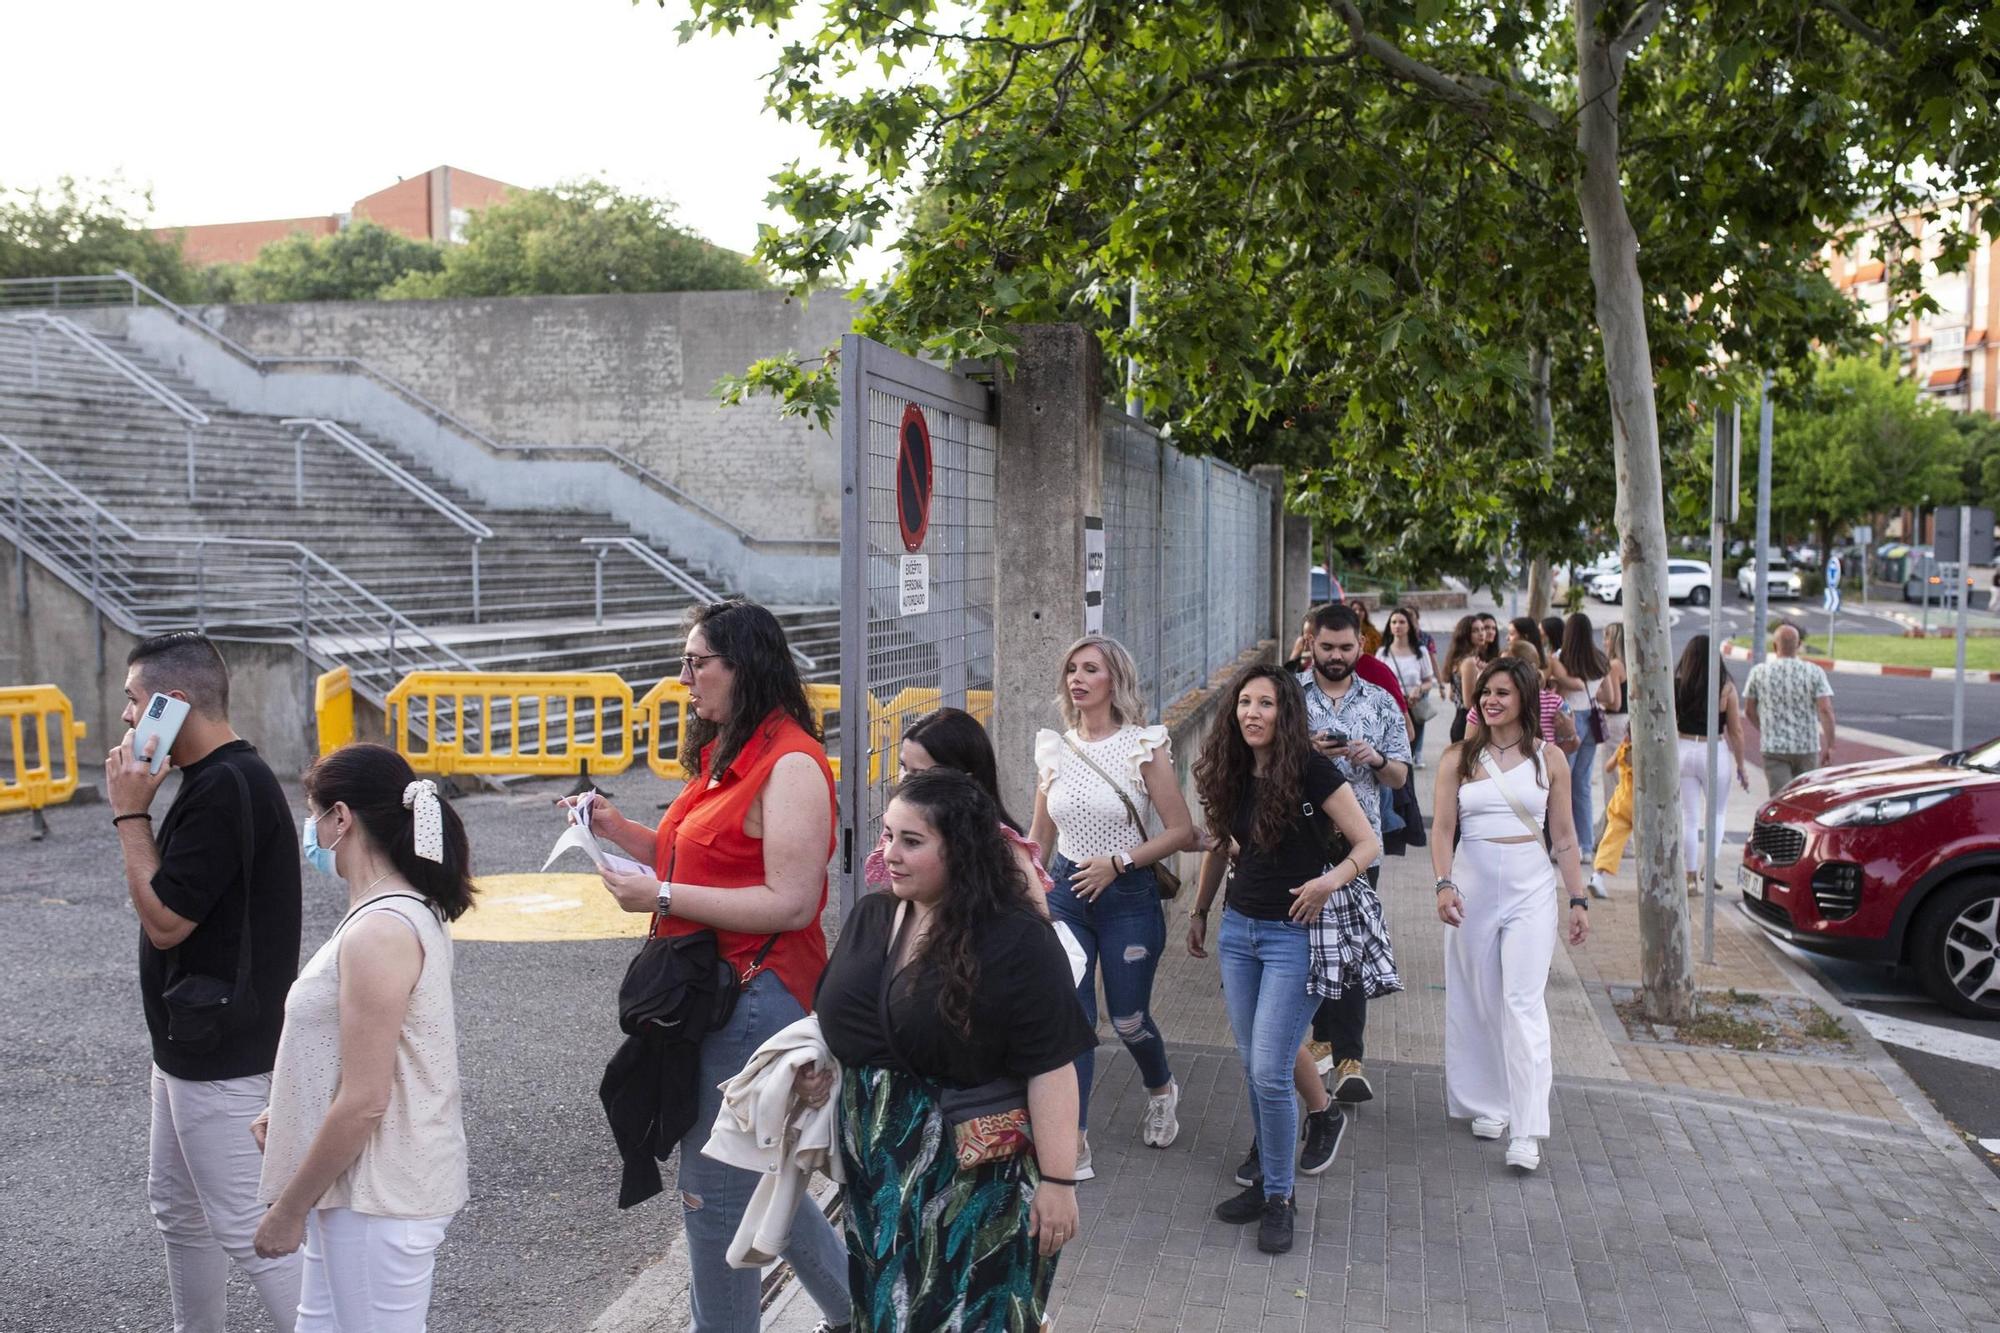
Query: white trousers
367	1274
1496	975
202	1184
1694	758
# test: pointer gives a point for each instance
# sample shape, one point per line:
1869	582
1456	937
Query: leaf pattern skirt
931	1247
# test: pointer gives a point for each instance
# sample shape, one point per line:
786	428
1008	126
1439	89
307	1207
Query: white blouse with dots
414	1164
1090	819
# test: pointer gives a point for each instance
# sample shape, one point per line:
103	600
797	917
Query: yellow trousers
1617	815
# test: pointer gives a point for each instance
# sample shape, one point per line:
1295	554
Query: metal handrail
382	463
624	462
660	565
90	343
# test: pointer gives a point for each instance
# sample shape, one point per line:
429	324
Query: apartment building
432	206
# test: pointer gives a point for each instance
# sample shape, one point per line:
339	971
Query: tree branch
1223	71
1637	29
1470	92
1847	19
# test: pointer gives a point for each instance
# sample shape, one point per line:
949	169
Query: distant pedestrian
1790	702
1529	629
949	987
364	1141
1300	658
1371	638
1488	636
1359	727
1415	673
1691	719
1461	668
1614	695
1100	783
1580	673
1500	791
1554	636
1279	812
1617	823
216	890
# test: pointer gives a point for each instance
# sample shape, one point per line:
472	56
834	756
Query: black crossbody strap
756	964
241	991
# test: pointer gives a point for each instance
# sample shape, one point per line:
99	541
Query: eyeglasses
693	662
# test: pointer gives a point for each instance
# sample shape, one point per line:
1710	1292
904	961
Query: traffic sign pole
1964	592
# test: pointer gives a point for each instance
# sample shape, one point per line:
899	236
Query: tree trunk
1665	958
1541	579
1541	587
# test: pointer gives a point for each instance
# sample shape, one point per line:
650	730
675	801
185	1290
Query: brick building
430	207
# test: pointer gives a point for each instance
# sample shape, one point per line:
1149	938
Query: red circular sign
913	479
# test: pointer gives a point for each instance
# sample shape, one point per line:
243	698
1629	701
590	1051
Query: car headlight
1885	809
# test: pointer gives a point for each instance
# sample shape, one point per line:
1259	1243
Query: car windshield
1985	756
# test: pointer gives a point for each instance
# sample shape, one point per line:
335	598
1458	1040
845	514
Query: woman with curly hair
1291	837
949	995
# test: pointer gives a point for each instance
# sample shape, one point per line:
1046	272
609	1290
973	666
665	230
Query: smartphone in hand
162	719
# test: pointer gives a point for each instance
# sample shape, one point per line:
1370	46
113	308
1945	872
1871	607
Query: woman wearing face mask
951	981
1100	782
364	1148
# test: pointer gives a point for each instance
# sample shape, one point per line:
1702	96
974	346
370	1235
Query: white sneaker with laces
1524	1154
1160	1127
1488	1127
1596	885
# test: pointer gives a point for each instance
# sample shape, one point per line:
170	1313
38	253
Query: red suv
1897	861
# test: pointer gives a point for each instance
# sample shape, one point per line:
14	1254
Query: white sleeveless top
1483	811
413	1165
1090	819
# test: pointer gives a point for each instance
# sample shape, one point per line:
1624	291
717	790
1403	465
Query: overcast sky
231	110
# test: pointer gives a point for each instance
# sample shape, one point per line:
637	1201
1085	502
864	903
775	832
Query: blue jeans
713	1196
1582	772
1265	966
1123	929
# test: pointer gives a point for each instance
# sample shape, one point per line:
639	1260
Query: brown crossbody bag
1163	875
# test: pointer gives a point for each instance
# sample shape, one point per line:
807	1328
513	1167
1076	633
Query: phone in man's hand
1333	737
162	719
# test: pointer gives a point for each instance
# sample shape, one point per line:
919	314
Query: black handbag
200	1008
682	983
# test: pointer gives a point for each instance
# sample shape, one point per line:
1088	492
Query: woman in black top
951	980
1691	720
1274	806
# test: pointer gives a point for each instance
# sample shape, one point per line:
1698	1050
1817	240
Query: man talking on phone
1360	727
223	860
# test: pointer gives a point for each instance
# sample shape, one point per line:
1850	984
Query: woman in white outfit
364	1146
1691	719
1498	790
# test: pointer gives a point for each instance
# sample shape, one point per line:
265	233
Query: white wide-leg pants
1496	975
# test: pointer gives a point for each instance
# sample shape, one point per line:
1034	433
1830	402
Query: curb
1736	652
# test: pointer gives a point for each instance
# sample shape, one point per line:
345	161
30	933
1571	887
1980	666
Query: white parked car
1687	581
1780	580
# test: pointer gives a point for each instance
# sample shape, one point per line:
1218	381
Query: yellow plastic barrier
888	721
333	709
498	723
40	723
668	700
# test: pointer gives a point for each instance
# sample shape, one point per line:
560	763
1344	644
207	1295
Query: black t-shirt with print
1025	1017
201	878
1262	879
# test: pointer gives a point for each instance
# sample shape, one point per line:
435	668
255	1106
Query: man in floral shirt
1790	703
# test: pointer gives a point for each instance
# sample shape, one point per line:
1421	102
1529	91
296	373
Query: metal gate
916	599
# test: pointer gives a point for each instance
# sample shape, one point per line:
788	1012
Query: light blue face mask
318	857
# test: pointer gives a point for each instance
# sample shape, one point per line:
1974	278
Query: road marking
517	908
1991	1145
1946	1042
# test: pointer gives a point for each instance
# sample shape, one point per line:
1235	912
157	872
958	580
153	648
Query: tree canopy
85	227
354	264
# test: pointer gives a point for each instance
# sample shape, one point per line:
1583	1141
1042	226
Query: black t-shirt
1262	880
1025	1016
201	878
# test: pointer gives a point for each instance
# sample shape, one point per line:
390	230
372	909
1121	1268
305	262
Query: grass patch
1744	996
1719	1027
1822	1026
1981	654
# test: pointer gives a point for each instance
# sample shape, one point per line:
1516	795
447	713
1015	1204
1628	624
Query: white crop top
1483	810
1090	819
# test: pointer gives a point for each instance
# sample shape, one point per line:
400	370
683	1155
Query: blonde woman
1100	784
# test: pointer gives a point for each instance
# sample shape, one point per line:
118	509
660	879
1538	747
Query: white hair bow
420	798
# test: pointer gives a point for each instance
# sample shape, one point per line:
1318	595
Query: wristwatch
664	904
1124	862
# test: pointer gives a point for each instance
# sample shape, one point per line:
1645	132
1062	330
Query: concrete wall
55	641
636	373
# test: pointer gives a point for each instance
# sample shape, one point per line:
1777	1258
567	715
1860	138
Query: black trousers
1343	1023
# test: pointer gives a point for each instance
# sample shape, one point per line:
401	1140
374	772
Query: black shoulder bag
670	973
201	1008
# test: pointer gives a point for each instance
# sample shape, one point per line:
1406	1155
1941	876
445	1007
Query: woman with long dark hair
1579	674
1691	720
742	852
1530	629
1498	793
1279	808
364	1144
1487	638
1406	655
950	988
1461	668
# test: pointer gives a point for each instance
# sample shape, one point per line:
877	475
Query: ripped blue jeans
1122	931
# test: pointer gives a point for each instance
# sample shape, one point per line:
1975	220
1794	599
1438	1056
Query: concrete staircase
117	444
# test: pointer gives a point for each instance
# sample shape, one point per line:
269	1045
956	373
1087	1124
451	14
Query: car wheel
1698	595
1618	598
1956	947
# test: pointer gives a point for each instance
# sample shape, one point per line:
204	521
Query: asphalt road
540	1246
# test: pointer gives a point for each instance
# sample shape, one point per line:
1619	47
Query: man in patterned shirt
1360	728
1791	705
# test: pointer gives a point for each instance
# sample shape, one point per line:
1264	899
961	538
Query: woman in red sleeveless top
742	852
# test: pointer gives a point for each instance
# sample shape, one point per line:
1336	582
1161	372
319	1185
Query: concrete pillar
1273	613
1050	475
1297	581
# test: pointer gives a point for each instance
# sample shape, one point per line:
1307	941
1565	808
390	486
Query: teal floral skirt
931	1247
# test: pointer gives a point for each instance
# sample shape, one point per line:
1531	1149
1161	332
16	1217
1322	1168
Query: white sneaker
1597	889
1084	1171
1524	1154
1488	1127
1161	1127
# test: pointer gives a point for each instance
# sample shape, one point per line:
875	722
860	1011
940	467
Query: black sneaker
1252	1170
1274	1228
1323	1133
1240	1208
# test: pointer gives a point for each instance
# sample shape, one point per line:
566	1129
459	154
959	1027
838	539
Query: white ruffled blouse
1090	819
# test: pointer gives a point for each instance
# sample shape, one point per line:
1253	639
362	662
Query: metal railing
190	415
666	569
394	471
236	588
121	288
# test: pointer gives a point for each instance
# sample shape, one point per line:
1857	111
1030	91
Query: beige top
413	1165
